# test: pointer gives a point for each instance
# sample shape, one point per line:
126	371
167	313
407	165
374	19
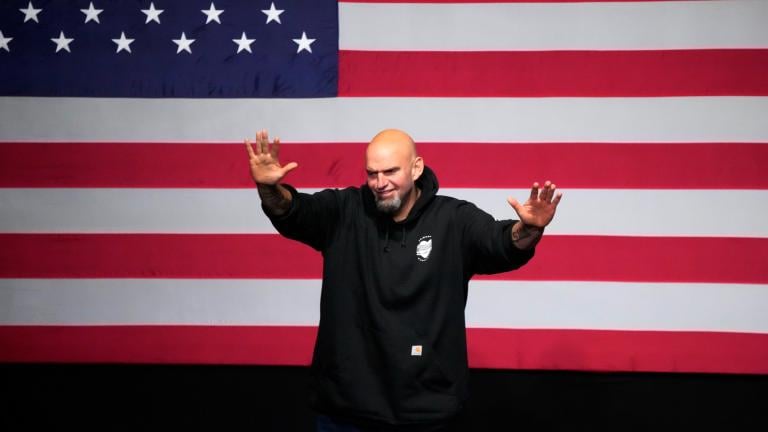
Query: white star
243	43
91	13
273	14
4	42
304	43
123	43
152	13
62	42
212	14
183	43
30	13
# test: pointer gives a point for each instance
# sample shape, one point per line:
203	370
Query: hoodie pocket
415	367
434	376
429	391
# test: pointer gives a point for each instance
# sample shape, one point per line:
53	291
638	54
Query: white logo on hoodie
424	248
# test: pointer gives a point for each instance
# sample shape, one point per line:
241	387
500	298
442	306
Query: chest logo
424	248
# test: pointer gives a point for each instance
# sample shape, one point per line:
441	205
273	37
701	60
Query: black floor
247	398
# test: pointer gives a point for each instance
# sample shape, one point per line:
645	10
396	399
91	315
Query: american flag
131	231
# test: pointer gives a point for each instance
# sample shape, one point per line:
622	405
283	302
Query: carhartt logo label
424	248
416	350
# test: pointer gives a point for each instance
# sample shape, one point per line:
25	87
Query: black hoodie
391	345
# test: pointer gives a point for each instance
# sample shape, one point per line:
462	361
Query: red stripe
468	165
158	344
600	350
710	72
588	258
607	350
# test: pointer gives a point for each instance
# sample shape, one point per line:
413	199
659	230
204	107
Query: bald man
391	350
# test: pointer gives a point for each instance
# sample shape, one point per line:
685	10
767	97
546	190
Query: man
391	349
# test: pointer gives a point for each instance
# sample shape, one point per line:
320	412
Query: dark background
259	398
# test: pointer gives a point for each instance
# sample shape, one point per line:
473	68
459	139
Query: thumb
290	167
515	204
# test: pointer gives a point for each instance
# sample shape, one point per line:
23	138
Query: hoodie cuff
291	209
512	252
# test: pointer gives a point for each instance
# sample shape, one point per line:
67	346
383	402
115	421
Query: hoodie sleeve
311	219
487	243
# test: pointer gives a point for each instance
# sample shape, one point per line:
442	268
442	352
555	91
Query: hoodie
391	343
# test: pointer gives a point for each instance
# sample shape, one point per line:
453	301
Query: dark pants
334	424
328	424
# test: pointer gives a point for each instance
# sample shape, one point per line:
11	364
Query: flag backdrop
130	230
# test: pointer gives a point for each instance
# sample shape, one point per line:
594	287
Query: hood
426	183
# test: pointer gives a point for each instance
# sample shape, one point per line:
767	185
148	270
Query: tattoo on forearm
525	236
274	199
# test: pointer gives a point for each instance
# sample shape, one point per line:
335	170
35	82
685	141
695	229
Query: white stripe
564	26
159	301
692	119
619	306
581	212
504	304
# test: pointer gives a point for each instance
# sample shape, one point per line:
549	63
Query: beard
389	206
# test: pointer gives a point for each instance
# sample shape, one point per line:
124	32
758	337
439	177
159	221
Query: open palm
264	160
540	207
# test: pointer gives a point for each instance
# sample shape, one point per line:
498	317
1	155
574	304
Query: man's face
390	176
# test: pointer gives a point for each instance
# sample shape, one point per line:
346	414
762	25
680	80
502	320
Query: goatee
389	206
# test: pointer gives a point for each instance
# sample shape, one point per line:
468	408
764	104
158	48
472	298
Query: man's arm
525	236
535	215
276	198
308	218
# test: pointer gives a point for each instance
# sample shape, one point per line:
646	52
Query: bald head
393	167
393	140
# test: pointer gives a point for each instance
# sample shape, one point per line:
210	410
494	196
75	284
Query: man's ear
418	168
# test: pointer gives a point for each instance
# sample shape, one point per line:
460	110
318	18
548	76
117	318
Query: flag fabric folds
131	231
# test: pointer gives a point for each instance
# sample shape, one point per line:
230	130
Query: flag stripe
723	119
164	301
618	350
230	211
492	303
596	258
554	26
488	348
555	73
224	165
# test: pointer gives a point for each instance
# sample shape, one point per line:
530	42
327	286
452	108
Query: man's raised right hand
264	160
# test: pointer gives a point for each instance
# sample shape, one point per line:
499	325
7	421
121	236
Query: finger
535	192
275	151
552	191
251	154
546	193
515	204
556	201
257	142
290	167
263	142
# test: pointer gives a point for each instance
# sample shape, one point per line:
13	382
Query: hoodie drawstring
386	239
